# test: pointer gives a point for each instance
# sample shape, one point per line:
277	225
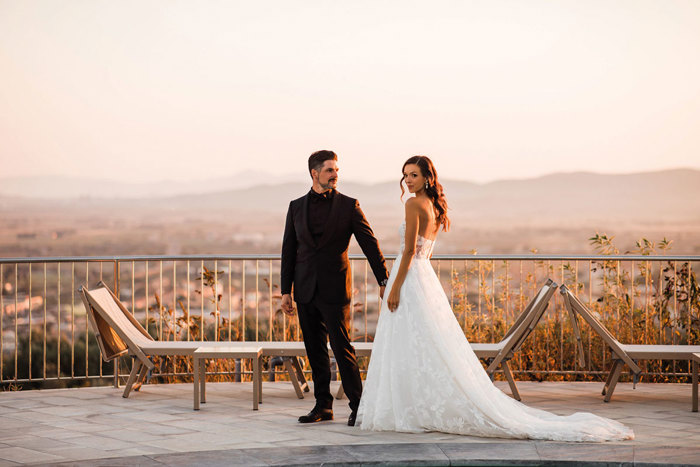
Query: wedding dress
424	375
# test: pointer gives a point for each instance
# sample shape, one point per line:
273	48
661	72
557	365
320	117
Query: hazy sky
152	90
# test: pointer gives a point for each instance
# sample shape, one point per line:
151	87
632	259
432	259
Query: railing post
116	291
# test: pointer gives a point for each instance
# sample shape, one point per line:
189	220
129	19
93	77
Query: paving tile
79	425
150	416
26	456
75	453
142	450
302	455
135	461
123	434
12	423
54	433
210	458
99	442
159	429
489	453
93	394
58	400
656	455
65	411
660	422
591	452
17	438
11	433
21	404
427	454
37	443
177	445
33	417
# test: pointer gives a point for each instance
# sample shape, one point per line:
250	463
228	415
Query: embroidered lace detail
424	247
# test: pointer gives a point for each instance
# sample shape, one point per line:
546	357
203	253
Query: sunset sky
153	90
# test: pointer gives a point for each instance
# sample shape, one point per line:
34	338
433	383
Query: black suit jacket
324	268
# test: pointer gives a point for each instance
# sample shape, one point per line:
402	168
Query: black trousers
321	322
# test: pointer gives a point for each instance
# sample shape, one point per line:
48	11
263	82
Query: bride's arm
412	214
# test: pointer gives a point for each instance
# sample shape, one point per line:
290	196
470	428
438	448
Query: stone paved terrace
157	426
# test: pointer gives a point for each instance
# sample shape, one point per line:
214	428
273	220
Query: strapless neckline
403	228
424	246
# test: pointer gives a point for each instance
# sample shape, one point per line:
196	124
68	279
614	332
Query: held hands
393	300
287	305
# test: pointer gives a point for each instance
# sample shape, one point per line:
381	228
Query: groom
315	261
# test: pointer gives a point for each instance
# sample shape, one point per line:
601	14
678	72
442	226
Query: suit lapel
305	221
332	221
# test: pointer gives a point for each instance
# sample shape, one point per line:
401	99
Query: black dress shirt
319	210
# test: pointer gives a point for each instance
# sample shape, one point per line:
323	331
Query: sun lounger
623	354
119	333
500	353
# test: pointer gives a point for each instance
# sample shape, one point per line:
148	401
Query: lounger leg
300	374
203	381
260	379
695	386
256	382
610	375
511	381
615	372
293	378
490	373
116	373
140	379
195	375
135	366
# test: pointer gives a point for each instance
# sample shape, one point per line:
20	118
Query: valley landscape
554	214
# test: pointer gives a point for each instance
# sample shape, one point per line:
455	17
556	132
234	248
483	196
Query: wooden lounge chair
119	333
623	354
498	354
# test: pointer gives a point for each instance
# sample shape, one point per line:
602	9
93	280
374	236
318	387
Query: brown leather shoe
317	415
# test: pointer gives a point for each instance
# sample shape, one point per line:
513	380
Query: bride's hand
393	300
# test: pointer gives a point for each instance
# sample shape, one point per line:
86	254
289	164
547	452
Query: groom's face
328	176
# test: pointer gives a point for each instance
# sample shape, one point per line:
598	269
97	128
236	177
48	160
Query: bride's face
413	178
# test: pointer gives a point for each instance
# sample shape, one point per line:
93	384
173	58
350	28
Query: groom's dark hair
317	159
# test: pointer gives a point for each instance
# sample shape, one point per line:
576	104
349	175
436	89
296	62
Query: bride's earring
426	185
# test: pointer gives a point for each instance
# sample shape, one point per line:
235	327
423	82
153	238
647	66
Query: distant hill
667	196
76	187
671	196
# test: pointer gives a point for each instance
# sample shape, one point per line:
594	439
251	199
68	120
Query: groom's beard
331	184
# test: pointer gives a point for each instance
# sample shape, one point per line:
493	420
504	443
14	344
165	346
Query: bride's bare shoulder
414	204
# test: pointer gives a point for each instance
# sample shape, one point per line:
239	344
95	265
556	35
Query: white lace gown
424	375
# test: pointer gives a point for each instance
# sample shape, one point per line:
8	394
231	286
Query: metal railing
643	299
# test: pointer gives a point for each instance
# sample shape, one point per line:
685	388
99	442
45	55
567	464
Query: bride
423	374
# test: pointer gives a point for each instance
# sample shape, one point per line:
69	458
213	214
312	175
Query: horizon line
343	179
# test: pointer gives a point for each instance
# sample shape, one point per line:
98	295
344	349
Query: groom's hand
381	291
287	305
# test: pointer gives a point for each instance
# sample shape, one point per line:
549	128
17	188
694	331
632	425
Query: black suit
319	269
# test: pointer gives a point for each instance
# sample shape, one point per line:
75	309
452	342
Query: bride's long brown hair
433	190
